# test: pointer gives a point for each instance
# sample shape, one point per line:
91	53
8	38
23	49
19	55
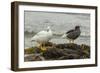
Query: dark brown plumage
73	34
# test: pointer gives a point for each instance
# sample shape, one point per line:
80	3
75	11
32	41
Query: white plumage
42	36
63	36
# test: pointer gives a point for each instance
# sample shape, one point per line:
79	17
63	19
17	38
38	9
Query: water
58	40
59	23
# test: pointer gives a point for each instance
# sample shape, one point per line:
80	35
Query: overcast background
59	22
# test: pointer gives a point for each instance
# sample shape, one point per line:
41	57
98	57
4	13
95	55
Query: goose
42	37
73	34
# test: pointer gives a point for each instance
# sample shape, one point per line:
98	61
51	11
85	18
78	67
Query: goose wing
39	35
69	31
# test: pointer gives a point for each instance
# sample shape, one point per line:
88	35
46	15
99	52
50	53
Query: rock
53	53
73	56
29	51
49	44
34	57
59	52
61	46
85	51
69	56
69	45
70	51
56	53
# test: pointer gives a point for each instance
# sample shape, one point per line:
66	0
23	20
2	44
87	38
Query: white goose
42	37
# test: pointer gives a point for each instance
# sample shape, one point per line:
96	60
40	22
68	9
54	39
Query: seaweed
58	52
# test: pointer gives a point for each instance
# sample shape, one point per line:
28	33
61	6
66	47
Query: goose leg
43	48
39	45
69	40
72	41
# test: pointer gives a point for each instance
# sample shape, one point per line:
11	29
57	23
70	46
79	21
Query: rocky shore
57	52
